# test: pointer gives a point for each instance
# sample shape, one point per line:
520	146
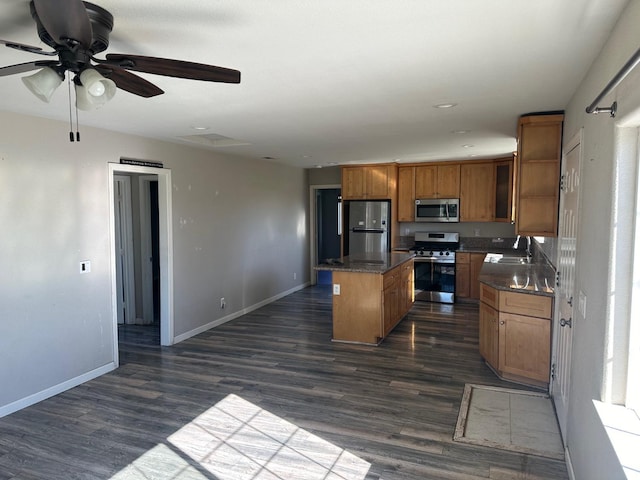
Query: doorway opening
326	223
141	245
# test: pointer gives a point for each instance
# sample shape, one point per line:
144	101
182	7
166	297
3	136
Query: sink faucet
516	244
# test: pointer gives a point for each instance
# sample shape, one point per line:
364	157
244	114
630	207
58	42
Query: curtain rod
624	71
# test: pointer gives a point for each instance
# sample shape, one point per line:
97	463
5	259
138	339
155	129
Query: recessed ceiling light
332	163
199	127
461	132
445	105
467	146
318	166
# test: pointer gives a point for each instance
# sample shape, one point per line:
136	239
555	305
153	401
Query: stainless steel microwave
438	210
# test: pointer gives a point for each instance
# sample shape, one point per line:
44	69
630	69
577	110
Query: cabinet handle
502	322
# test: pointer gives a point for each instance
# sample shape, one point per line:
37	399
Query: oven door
435	281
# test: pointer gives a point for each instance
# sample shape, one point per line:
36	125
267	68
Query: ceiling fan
77	31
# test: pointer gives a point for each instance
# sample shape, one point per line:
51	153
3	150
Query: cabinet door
489	334
448	181
504	191
406	287
426	178
390	299
353	183
406	194
462	278
475	263
477	192
377	182
525	346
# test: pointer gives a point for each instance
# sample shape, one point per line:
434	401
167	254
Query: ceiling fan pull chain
71	139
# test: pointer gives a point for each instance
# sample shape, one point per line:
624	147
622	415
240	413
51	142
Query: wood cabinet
406	194
538	175
437	181
370	305
515	334
365	182
468	266
477	192
504	191
463	274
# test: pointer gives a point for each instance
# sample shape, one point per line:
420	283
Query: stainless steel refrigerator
368	227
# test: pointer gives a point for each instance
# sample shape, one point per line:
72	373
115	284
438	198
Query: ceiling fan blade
25	48
175	68
128	81
26	67
64	20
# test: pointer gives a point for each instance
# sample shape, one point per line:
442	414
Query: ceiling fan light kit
43	83
77	31
94	90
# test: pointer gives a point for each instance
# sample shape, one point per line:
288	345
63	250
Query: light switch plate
85	266
336	289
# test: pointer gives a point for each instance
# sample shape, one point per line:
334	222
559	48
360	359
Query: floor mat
508	419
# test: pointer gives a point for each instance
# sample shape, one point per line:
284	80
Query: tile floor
513	420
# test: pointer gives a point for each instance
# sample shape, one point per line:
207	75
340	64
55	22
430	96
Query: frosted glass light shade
43	83
95	90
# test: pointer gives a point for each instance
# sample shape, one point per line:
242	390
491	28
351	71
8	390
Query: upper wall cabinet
477	192
369	182
406	194
437	181
538	175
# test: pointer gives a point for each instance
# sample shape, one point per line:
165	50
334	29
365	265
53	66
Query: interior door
125	280
565	299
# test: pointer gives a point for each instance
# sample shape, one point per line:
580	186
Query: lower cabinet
515	335
397	295
369	305
468	266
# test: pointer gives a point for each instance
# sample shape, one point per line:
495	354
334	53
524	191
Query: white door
125	281
565	292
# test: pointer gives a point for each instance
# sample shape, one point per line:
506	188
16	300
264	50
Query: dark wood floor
393	406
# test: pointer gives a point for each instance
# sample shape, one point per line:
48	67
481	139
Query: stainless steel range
435	266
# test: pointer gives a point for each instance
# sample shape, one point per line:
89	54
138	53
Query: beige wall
240	230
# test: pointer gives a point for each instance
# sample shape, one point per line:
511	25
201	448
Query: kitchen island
371	294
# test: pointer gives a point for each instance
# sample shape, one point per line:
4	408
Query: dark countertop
378	263
536	278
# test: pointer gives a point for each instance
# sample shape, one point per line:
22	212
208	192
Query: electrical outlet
336	289
295	275
223	302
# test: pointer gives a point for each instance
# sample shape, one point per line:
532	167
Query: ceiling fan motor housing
101	26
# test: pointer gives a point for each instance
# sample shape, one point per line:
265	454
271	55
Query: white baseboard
55	390
234	315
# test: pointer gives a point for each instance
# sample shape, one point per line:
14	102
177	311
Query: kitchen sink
507	260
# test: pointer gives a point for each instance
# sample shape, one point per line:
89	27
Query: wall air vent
214	140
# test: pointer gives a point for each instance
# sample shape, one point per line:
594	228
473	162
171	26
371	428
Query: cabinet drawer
525	304
463	257
390	278
489	295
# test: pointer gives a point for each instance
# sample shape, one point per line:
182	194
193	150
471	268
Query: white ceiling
337	81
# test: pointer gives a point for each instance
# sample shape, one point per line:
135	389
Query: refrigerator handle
367	230
339	217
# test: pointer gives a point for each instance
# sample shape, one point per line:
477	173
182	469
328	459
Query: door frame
167	336
313	238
